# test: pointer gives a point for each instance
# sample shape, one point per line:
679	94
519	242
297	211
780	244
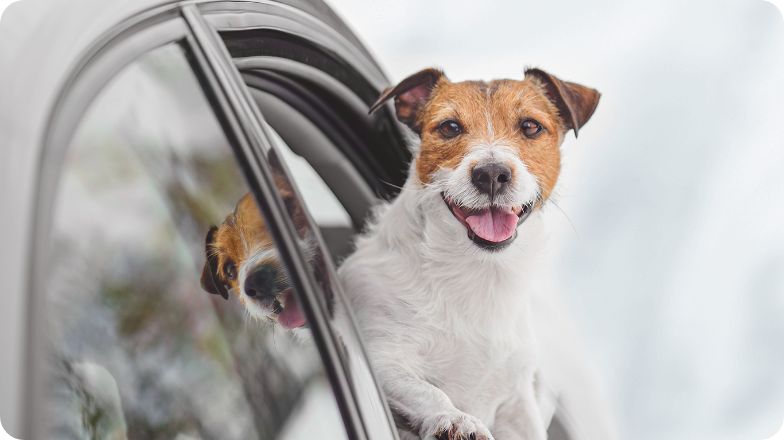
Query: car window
138	347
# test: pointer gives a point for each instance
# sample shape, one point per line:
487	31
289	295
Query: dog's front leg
520	418
428	409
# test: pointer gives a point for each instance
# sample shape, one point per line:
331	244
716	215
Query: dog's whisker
566	216
391	184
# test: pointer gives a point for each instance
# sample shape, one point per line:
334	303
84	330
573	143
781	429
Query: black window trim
294	22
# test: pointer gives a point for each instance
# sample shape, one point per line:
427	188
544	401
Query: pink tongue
494	224
291	316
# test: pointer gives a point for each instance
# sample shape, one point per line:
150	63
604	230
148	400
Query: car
130	128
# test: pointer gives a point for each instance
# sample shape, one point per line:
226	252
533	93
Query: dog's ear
410	96
209	275
576	103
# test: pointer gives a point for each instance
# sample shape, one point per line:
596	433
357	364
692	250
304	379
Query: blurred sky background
671	246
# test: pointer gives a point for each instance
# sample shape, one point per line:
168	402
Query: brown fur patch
245	231
491	113
242	232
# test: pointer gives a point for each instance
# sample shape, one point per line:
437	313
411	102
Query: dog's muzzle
270	288
492	228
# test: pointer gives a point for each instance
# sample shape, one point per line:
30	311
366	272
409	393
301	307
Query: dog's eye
230	270
450	128
531	128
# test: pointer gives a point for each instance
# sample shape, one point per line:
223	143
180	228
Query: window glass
138	348
320	171
316	150
324	206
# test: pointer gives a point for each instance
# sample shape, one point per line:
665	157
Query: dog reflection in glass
242	260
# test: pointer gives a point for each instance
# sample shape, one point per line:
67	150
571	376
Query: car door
154	140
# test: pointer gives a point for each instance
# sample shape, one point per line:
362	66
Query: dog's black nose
262	282
491	178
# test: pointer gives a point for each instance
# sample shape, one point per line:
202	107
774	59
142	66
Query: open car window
139	348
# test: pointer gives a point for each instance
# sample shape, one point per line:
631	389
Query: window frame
173	23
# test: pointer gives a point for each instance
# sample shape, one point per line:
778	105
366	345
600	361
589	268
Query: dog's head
242	260
491	150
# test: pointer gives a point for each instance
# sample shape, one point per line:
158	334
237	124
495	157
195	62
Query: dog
441	280
242	260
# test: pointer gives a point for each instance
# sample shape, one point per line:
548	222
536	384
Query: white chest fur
443	311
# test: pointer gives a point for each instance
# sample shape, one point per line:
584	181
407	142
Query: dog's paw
454	426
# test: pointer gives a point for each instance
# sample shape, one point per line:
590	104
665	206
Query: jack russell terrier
442	279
